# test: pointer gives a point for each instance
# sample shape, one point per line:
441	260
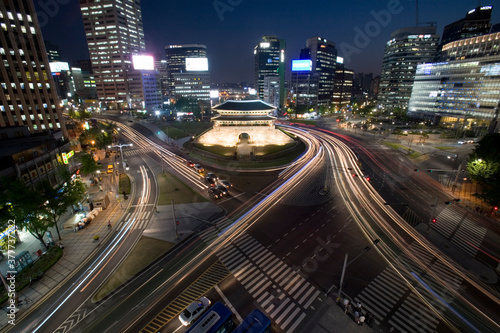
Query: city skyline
231	29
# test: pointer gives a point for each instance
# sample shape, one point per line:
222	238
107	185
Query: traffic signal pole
175	221
432	214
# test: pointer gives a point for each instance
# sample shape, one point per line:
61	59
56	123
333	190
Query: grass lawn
397	146
307	122
265	164
124	184
192	127
179	130
172	188
270	149
444	148
144	253
216	149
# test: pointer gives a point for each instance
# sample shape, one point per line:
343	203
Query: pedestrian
369	319
361	320
346	304
109	224
61	246
356	316
358	306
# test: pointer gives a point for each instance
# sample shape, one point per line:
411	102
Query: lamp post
346	264
121	151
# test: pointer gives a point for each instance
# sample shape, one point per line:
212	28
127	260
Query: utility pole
432	214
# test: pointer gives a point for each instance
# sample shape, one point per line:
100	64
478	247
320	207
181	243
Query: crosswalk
464	231
393	303
141	222
132	152
280	291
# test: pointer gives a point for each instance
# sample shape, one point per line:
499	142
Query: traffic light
429	170
177	222
434	220
495	209
415	169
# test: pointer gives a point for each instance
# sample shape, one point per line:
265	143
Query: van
110	168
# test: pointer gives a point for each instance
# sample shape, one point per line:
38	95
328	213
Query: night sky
231	31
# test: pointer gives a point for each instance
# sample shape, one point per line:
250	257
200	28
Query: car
460	142
212	176
222	189
190	164
199	168
210	181
214	193
225	183
194	310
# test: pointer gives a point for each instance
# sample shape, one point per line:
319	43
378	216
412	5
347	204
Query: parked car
214	193
222	189
199	168
194	310
190	164
225	183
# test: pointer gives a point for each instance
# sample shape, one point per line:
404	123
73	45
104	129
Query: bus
216	320
255	322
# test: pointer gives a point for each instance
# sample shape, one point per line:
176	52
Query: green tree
484	167
188	104
89	165
58	200
28	213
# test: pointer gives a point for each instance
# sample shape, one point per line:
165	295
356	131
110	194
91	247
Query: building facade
29	95
114	33
342	93
407	48
464	91
145	90
475	23
269	61
324	61
175	56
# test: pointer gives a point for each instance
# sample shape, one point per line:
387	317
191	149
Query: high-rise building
407	48
272	90
342	92
475	23
269	60
114	33
324	60
303	85
28	95
53	52
176	56
461	92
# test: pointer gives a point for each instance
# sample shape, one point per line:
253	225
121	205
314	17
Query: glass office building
407	48
463	91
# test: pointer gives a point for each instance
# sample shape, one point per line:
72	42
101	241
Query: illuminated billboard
58	66
196	64
214	94
302	65
143	62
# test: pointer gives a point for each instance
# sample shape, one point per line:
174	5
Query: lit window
32	30
9	15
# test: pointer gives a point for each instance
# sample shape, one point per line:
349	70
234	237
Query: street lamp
121	151
346	264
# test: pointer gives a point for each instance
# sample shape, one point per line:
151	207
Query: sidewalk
78	248
330	317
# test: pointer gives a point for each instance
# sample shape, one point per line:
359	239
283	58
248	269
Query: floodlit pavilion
244	122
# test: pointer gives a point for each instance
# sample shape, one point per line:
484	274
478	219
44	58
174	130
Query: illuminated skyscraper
177	72
114	33
270	62
324	61
28	95
407	48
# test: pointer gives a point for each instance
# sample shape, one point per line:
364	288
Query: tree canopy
484	167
